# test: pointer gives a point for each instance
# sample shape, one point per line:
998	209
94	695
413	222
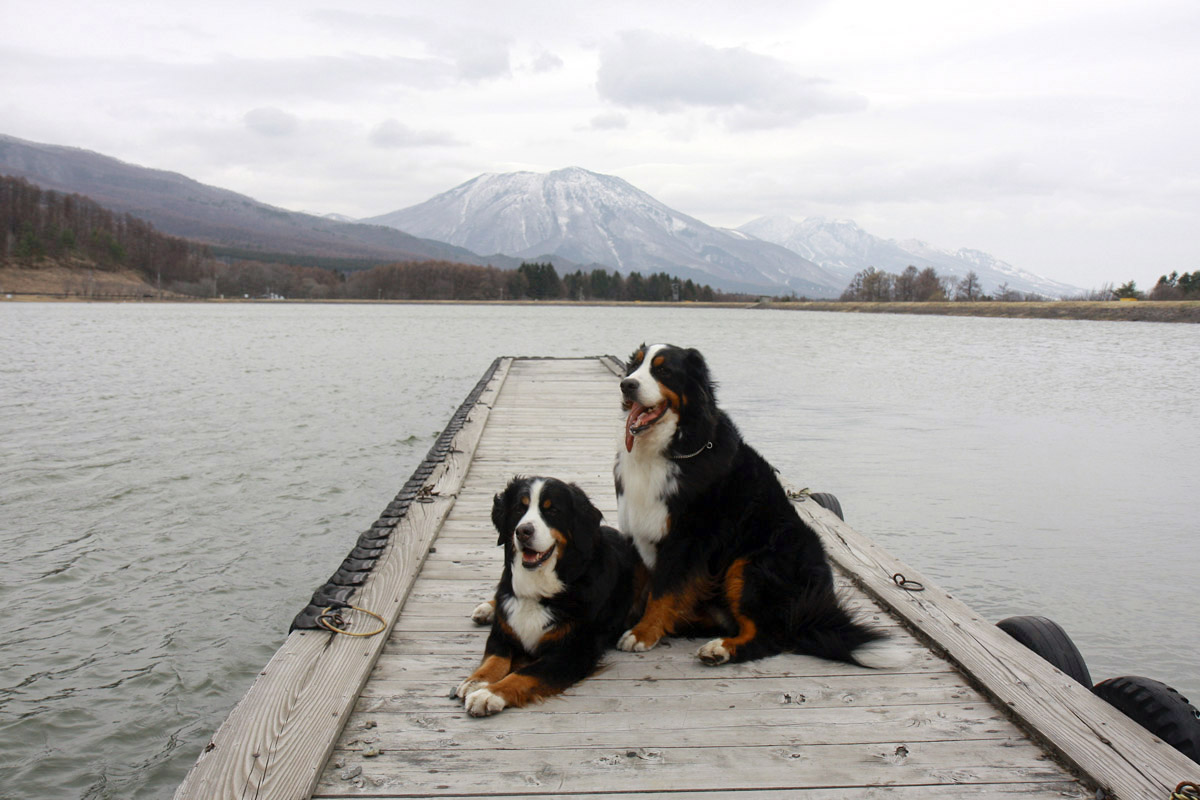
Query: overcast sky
1061	136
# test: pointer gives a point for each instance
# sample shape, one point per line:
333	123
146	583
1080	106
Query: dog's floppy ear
586	514
701	383
498	514
635	359
585	521
500	505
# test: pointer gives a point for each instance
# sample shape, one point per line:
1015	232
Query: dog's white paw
483	703
484	613
713	652
468	686
631	644
881	654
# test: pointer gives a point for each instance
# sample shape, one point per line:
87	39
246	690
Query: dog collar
703	447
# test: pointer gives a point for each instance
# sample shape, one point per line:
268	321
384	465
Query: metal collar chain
703	447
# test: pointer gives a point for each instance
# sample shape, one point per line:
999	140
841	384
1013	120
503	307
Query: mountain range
843	248
571	217
588	218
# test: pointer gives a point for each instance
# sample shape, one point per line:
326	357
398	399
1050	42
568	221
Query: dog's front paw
483	703
468	686
631	643
714	653
484	613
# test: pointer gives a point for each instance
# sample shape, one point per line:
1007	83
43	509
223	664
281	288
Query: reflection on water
175	480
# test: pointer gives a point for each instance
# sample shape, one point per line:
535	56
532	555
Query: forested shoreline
43	231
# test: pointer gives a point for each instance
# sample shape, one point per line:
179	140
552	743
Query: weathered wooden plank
701	694
470	642
278	738
673	659
726	767
663	727
1125	759
1059	790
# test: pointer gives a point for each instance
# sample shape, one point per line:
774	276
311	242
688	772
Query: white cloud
749	90
393	133
488	60
271	122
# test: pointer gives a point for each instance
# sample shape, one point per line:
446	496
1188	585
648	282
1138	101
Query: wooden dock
973	714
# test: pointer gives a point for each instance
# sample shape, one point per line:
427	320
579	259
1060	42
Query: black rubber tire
1156	707
828	501
1047	638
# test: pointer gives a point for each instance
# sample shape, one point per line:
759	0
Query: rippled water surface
175	480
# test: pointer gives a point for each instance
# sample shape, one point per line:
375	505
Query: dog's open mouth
640	418
532	559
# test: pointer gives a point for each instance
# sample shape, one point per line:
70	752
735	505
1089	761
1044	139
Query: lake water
175	480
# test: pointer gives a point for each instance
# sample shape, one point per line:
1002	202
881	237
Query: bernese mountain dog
725	550
564	596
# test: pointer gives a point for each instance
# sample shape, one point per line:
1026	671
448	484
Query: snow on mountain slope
588	218
842	247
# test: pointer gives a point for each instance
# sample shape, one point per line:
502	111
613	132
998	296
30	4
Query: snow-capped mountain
842	247
593	219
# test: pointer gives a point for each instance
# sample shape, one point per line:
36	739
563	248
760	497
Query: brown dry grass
57	281
1143	311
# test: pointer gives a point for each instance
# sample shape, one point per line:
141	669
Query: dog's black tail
818	625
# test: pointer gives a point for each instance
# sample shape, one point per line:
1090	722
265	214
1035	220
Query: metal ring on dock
331	621
907	585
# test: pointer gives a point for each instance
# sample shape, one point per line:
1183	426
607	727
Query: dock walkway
972	714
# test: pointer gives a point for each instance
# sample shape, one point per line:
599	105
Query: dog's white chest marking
528	619
647	479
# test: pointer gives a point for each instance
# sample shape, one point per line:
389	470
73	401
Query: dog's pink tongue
630	423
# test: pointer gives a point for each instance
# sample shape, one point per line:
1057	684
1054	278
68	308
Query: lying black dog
564	597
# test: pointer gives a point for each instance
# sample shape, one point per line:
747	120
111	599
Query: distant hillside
40	227
180	206
588	218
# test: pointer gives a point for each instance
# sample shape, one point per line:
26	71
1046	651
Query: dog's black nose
524	532
629	387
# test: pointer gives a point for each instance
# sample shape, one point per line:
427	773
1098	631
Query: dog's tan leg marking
718	651
512	691
663	614
493	669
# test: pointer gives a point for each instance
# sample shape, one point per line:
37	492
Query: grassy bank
61	281
1144	311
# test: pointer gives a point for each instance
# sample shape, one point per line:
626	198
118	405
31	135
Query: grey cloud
546	62
614	120
392	133
649	70
271	122
475	53
488	60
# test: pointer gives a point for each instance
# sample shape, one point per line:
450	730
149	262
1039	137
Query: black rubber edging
1156	707
830	502
371	544
1046	638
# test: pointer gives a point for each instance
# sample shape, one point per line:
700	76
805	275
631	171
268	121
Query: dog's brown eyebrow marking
524	499
638	356
659	361
546	503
